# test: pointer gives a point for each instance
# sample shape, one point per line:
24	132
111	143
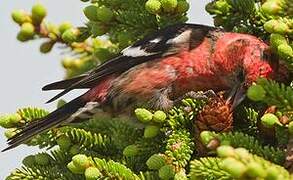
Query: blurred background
23	70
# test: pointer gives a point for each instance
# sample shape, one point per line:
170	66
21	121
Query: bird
159	69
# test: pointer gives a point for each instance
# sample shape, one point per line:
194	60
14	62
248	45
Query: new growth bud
272	7
169	5
143	115
234	167
20	16
70	35
80	161
42	159
225	151
104	14
10	121
151	131
46	47
166	172
64	26
39	12
74	169
130	151
153	6
29	160
9	133
26	32
272	173
276	40
256	93
182	7
255	170
276	26
155	162
64	142
269	120
92	173
159	117
91	12
206	137
285	51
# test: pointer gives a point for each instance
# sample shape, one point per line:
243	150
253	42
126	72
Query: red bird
159	69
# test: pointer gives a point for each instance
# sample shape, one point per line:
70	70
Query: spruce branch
44	166
240	164
236	164
208	168
114	169
148	175
99	168
247	119
239	139
179	148
94	141
274	93
184	115
135	155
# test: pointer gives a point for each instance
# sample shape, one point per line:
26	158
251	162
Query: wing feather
164	42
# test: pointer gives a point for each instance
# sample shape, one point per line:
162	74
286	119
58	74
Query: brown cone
215	116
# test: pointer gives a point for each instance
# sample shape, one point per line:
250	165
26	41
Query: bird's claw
200	95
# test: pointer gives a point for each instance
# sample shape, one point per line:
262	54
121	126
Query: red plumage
159	69
213	64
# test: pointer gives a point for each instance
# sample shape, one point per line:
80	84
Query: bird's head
259	62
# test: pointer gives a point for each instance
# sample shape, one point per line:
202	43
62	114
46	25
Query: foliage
270	20
236	164
155	144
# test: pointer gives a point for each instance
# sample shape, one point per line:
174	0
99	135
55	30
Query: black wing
164	42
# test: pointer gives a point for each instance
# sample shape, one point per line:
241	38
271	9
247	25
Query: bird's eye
270	57
261	70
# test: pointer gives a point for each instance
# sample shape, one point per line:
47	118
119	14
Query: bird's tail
76	109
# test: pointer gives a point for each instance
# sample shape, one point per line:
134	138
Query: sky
24	70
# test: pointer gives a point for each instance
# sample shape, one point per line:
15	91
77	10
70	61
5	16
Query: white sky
23	70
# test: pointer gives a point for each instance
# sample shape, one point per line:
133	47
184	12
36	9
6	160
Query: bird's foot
200	95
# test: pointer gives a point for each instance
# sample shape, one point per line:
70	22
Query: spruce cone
215	116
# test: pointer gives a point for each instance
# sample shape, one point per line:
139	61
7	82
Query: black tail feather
53	119
64	84
59	95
